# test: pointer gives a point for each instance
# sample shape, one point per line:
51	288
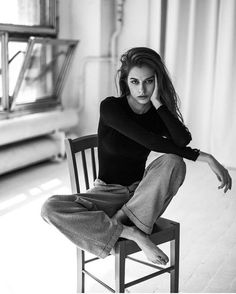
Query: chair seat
163	231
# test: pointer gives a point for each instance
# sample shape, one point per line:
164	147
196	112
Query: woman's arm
176	129
220	171
114	116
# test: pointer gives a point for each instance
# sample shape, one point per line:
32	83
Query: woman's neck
137	107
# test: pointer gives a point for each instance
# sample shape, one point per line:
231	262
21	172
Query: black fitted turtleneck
125	139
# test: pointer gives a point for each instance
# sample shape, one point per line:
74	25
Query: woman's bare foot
151	251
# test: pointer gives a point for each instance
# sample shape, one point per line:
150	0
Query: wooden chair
165	230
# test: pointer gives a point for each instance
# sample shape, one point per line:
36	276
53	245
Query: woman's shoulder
111	101
112	107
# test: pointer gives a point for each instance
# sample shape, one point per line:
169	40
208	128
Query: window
33	62
28	17
0	73
41	74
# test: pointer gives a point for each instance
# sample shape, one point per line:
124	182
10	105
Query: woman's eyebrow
152	77
131	78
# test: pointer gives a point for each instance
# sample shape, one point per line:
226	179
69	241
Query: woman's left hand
155	98
222	174
220	171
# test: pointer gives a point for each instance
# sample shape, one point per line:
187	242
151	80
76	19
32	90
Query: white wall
84	20
141	24
93	22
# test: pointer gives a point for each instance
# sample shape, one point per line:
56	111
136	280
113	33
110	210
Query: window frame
4	73
26	30
60	80
32	35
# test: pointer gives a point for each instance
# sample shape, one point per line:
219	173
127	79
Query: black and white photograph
117	146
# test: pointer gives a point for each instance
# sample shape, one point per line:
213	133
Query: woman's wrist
205	157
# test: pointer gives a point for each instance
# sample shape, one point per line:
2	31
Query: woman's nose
141	89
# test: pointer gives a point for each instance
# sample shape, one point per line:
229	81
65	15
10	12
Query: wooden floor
35	258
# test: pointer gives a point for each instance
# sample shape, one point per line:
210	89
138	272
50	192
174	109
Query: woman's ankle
129	233
122	218
133	233
151	251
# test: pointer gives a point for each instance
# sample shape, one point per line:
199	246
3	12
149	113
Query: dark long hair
140	56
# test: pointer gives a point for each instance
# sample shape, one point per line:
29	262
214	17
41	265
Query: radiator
33	138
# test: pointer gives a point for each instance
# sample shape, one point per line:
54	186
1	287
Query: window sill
33	125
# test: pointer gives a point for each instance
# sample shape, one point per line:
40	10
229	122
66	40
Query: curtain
200	53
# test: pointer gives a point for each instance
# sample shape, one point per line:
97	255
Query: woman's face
141	83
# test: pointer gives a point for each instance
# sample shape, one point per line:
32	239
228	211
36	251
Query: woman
127	199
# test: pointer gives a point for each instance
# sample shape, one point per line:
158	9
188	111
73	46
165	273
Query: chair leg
80	268
174	261
119	268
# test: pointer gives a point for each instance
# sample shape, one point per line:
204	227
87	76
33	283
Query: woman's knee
175	161
169	160
177	165
49	207
168	165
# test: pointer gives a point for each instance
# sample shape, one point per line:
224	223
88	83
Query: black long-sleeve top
126	138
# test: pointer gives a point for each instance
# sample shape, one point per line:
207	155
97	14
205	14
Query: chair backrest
82	160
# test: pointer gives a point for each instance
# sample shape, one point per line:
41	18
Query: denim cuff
116	235
144	228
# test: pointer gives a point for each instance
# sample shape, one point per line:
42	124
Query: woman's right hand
155	98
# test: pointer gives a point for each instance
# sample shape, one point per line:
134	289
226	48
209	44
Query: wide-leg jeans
86	218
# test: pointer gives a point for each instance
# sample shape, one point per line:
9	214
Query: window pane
17	52
25	12
0	75
42	73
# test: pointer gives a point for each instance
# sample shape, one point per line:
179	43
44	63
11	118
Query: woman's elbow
183	141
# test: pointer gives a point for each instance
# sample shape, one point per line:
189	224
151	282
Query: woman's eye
149	81
135	82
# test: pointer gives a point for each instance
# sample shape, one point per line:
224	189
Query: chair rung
99	281
145	263
92	259
168	269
